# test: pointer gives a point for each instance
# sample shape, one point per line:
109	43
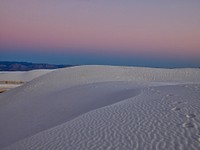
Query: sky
106	32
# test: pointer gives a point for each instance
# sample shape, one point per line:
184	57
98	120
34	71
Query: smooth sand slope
104	107
9	80
22	75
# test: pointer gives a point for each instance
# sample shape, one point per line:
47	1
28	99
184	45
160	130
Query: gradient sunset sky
151	33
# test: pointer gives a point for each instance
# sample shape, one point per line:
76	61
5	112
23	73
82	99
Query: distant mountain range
26	66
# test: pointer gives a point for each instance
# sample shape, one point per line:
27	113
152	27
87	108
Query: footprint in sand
176	109
190	115
188	125
169	95
179	102
158	92
198	139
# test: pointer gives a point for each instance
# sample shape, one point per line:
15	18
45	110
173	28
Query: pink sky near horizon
171	27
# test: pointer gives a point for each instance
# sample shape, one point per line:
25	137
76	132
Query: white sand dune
22	75
10	80
104	107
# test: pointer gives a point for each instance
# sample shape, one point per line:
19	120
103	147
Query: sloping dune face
10	80
104	107
22	75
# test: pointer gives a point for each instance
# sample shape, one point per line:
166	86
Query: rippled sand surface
103	107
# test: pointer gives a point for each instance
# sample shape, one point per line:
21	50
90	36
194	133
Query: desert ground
100	108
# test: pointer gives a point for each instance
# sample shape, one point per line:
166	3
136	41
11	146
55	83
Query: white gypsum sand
104	107
22	75
13	79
